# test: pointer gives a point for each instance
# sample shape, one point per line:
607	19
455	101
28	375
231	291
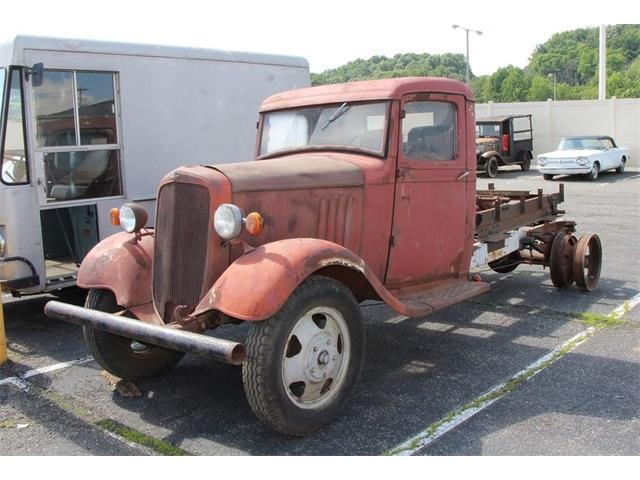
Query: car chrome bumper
564	170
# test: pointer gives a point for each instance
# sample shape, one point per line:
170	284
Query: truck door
77	162
430	220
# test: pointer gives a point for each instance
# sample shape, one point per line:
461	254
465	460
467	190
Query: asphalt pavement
417	371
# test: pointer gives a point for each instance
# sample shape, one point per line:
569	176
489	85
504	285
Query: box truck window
77	132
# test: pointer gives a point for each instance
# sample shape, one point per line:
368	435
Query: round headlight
133	217
3	245
582	160
542	160
227	221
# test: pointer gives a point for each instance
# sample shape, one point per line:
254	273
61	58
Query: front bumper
217	348
564	169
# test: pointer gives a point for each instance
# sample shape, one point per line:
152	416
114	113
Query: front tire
303	362
594	173
122	356
492	167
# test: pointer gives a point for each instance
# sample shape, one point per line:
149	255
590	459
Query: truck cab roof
362	91
499	119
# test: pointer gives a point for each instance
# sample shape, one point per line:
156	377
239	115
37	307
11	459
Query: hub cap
316	358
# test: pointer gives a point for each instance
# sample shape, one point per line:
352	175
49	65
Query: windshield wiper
337	114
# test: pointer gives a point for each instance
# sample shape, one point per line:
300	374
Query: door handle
462	176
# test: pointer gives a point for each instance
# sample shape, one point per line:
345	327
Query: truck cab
359	191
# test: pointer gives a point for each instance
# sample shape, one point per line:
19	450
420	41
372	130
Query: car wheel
303	362
123	357
547	176
526	162
623	162
595	172
492	167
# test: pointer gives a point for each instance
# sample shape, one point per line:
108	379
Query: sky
328	33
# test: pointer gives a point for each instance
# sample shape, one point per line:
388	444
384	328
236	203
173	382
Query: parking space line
470	409
18	381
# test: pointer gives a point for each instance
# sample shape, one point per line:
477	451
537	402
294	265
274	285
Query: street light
553	75
467	30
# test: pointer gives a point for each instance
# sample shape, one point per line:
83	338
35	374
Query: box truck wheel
303	362
123	357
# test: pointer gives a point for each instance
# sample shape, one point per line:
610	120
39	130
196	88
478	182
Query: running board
424	302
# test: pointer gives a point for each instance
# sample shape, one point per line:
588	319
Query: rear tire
526	162
547	176
303	362
116	354
623	163
492	167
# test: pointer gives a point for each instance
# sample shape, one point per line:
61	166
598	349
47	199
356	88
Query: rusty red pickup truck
360	191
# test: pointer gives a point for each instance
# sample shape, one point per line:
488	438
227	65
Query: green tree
541	88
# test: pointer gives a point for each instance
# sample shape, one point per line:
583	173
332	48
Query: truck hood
292	173
486	140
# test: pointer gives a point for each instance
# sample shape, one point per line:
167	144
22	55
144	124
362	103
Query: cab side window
429	131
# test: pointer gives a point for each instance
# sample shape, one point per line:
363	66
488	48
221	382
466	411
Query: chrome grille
181	239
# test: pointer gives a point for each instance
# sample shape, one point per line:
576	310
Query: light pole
553	75
467	30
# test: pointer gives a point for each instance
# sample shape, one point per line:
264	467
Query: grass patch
130	434
600	321
140	438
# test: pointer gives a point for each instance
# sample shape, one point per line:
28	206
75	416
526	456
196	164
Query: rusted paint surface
256	285
310	171
122	264
434	207
392	89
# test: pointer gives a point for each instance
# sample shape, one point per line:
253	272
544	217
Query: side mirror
37	74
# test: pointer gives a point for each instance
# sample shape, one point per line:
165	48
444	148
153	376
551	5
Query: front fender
492	153
258	284
122	264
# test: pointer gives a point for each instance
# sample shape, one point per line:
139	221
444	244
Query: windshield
581	144
488	130
359	125
14	157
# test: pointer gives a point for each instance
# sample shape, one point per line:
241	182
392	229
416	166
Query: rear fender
258	284
123	264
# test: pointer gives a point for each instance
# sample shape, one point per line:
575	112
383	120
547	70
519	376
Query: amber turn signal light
254	223
114	215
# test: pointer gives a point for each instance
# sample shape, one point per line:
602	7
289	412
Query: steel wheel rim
587	262
595	170
561	259
316	358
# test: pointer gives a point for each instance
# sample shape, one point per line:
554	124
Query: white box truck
87	126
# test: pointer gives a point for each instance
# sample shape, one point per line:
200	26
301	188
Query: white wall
619	118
